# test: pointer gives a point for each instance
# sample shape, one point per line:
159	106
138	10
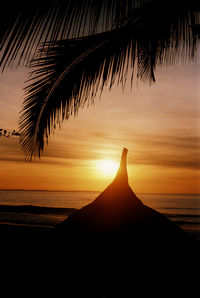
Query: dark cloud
169	151
10	158
167	160
170	142
178	150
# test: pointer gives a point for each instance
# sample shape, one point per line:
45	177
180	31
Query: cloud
178	150
167	160
100	135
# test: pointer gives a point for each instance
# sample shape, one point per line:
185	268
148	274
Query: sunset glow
83	154
108	167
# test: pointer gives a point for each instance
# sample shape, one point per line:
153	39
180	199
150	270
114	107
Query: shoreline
36	209
29	218
15	228
35	218
7	228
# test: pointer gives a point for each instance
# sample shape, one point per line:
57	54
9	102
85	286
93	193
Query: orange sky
158	124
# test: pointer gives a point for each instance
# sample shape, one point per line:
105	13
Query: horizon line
58	190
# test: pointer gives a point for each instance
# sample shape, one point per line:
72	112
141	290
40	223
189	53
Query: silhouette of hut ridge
117	213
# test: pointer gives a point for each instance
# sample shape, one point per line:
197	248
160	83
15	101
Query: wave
184	215
181	208
32	215
183	222
36	209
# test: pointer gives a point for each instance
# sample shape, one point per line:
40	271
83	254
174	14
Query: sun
108	167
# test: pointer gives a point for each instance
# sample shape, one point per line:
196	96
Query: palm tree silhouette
75	48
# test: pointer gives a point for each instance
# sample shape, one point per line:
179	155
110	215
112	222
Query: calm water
183	209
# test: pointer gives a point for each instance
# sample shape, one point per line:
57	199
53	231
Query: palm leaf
71	73
68	73
24	24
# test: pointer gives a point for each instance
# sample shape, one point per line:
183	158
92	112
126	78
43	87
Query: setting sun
108	167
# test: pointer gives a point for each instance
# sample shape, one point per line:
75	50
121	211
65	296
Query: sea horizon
49	207
59	190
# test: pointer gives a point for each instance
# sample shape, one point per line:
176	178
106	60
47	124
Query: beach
30	218
40	211
28	236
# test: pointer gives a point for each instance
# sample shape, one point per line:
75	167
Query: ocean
47	208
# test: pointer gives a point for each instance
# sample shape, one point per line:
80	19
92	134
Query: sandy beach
5	227
30	218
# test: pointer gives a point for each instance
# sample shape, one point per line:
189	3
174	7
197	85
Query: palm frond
24	24
71	72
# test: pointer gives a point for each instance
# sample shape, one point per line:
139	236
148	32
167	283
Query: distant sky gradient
158	124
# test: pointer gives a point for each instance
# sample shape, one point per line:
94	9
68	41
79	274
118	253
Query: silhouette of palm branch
23	25
90	44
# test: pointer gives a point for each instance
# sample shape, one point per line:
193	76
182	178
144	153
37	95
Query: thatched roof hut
117	213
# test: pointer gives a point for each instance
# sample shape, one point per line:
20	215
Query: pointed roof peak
122	174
